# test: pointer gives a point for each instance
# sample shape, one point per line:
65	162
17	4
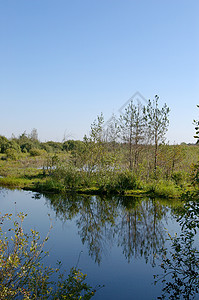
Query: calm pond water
114	240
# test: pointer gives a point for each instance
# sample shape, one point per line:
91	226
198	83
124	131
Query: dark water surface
113	240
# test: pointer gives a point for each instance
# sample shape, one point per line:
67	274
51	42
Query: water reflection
135	225
140	230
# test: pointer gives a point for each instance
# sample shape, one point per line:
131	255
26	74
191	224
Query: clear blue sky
64	62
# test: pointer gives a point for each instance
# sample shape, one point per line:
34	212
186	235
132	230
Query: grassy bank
40	174
159	189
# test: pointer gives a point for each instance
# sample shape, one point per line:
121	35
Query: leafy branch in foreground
180	264
23	276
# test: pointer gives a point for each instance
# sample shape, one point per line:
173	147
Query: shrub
110	181
163	188
11	154
72	178
23	276
195	174
50	185
27	146
126	180
178	177
37	152
10	145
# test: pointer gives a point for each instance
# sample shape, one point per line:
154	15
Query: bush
37	152
11	154
178	177
195	174
126	180
3	143
27	146
50	185
163	188
72	178
118	181
10	145
23	276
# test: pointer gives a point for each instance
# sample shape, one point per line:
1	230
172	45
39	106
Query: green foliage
104	179
100	166
37	152
195	174
180	263
26	143
10	145
69	176
178	177
102	160
13	182
72	178
55	147
132	128
3	144
115	181
156	124
112	132
24	276
96	134
50	163
11	154
163	188
72	145
157	120
27	146
49	185
126	180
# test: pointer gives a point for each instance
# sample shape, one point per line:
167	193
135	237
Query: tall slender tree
132	130
157	123
94	144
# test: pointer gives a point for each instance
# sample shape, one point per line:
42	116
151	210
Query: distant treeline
29	143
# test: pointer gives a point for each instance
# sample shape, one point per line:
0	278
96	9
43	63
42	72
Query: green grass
12	182
164	189
22	173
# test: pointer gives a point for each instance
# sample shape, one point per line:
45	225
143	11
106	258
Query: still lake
114	240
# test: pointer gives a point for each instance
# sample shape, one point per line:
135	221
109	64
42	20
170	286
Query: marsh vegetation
124	156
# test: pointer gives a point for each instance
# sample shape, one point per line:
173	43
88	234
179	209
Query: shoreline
41	187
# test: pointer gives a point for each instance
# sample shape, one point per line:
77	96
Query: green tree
112	131
3	143
11	145
93	153
132	127
157	124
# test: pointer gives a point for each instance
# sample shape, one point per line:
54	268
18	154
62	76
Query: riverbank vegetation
127	155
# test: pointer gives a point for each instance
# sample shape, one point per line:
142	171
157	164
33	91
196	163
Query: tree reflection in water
135	225
140	230
96	225
180	263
